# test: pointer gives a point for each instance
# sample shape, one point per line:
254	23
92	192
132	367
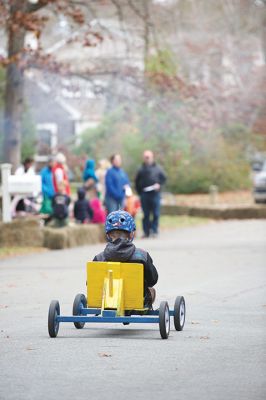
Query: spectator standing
60	177
149	179
82	210
116	183
100	172
48	190
89	177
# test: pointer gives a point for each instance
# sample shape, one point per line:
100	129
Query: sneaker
144	236
153	294
149	298
154	235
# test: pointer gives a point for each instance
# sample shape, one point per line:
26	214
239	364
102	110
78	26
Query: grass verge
175	221
6	252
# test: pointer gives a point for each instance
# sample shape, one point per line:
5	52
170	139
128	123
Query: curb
216	212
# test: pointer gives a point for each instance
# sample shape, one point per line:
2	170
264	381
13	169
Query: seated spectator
24	205
83	212
60	204
27	167
99	213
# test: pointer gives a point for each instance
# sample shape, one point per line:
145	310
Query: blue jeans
150	203
112	204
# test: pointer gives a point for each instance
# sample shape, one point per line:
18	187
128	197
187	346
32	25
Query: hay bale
55	239
73	236
21	233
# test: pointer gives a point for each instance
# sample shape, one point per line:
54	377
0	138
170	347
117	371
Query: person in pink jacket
99	214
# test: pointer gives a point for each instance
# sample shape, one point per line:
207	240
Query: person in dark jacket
120	228
149	179
82	210
116	183
60	205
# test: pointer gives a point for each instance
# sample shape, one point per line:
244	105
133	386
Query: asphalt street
219	267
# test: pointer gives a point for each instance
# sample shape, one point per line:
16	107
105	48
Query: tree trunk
146	32
263	33
14	88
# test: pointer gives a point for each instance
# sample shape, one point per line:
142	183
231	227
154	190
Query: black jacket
60	205
148	175
82	208
122	250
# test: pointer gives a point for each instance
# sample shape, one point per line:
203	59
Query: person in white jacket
20	205
27	167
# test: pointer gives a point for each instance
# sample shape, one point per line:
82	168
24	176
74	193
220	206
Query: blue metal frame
140	317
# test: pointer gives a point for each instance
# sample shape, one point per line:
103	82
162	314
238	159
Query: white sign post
6	202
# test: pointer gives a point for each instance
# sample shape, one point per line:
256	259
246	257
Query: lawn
175	221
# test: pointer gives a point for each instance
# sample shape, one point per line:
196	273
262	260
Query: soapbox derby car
115	295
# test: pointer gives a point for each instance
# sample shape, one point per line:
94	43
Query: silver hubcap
167	320
182	313
56	323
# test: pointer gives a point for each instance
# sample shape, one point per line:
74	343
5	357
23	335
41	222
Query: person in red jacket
60	177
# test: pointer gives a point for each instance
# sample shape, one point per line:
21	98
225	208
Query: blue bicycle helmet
121	220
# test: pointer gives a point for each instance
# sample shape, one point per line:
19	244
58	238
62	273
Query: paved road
219	268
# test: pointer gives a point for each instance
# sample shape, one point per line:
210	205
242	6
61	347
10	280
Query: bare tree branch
33	7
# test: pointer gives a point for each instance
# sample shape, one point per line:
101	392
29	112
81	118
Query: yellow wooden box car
115	293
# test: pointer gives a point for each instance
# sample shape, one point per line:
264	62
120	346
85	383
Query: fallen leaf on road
195	323
29	348
104	355
204	337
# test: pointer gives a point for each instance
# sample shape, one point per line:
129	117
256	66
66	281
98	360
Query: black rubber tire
164	320
54	311
80	300
179	313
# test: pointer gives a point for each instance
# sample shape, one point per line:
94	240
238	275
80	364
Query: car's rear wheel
80	302
164	320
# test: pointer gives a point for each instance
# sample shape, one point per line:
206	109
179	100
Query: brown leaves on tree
30	22
19	18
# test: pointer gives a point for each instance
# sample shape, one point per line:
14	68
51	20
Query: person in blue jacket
48	190
89	177
116	182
